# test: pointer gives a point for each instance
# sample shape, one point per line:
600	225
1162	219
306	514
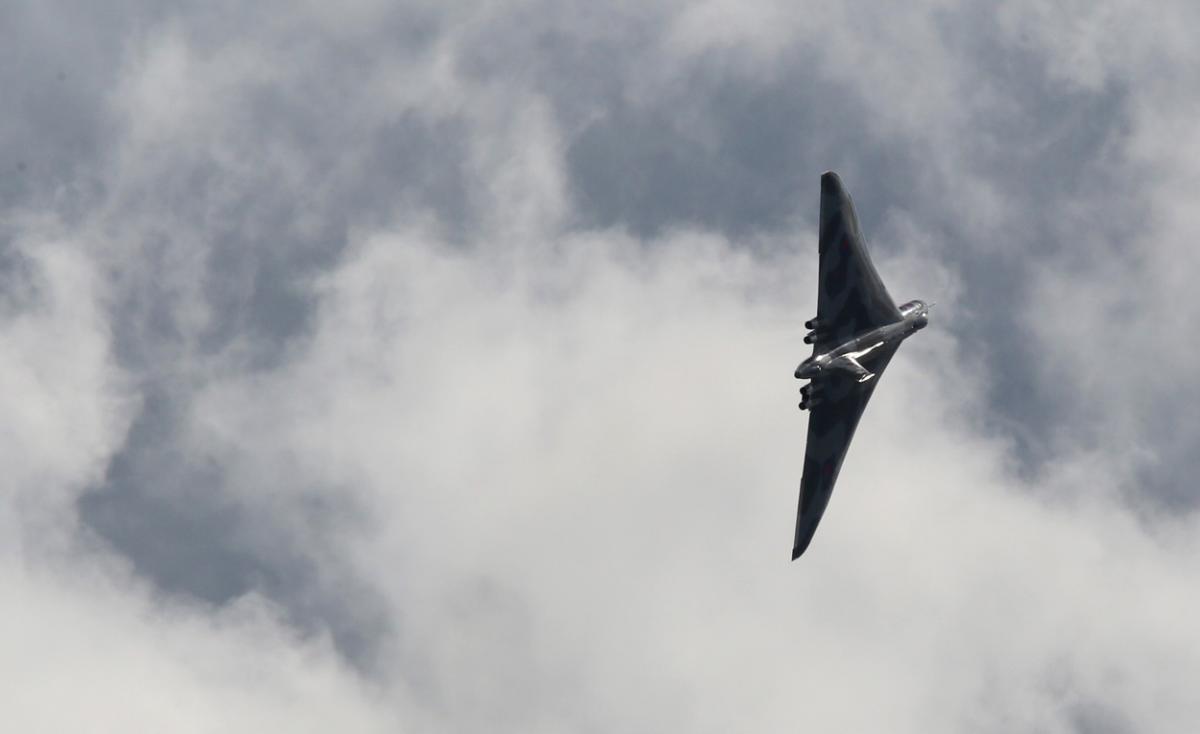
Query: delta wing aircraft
854	335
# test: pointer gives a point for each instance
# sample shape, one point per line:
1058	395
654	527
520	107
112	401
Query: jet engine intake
810	395
811	337
813	324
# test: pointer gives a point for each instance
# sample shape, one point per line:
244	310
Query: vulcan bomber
857	330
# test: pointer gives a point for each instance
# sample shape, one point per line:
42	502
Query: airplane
856	331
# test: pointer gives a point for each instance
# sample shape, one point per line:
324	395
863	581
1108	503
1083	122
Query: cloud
65	406
426	366
97	651
594	507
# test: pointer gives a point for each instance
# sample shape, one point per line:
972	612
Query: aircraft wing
851	298
831	425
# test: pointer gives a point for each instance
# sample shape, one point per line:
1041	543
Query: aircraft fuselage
848	356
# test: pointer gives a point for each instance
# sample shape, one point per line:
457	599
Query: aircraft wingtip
803	540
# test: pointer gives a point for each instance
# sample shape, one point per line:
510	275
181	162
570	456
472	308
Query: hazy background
427	367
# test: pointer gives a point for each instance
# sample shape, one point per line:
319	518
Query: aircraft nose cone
799	370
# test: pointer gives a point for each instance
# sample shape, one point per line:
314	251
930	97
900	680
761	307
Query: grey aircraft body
854	335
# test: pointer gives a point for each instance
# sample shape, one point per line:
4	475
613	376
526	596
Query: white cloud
584	466
87	649
65	406
576	453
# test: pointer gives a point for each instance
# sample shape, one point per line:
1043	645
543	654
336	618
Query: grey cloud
350	407
237	239
235	223
57	64
722	143
175	517
565	498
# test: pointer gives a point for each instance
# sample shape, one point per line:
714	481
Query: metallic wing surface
851	298
831	425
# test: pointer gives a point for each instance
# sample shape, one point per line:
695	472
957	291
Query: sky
427	367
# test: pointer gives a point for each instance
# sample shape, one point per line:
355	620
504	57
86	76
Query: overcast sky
427	367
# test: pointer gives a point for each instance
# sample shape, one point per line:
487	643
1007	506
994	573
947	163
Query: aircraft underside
857	330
